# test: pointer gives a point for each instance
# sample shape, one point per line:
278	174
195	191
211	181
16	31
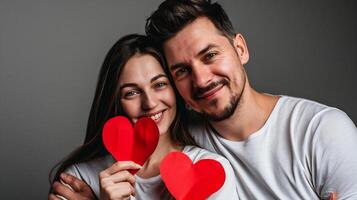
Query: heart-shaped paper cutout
127	143
187	181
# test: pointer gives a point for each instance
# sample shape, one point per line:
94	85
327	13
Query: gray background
50	54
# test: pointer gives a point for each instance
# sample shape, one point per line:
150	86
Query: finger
333	196
121	190
129	189
65	184
63	190
119	166
73	182
61	197
122	176
134	191
53	197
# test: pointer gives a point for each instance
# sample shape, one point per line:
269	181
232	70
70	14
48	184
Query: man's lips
210	93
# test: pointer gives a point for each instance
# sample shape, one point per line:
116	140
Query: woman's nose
148	101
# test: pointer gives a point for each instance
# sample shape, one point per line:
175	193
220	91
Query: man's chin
223	113
217	116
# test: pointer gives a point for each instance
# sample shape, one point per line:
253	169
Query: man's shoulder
301	104
303	114
300	109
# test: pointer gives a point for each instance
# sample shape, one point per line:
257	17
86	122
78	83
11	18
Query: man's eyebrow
176	66
203	51
207	48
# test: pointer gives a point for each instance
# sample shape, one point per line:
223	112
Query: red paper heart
126	143
187	181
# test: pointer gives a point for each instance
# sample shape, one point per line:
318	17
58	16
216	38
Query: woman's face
145	91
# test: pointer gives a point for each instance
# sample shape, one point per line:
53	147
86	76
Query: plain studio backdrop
51	52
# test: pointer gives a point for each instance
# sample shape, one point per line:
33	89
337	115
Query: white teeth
156	116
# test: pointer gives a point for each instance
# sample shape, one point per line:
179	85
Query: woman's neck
152	165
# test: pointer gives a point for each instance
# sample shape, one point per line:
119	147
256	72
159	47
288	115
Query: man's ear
241	48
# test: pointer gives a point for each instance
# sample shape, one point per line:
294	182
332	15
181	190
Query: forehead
140	68
193	38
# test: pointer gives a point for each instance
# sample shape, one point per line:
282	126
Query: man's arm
333	196
81	191
334	146
72	188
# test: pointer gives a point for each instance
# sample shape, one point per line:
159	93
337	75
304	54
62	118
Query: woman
133	82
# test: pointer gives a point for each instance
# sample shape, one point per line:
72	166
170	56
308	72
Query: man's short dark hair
173	15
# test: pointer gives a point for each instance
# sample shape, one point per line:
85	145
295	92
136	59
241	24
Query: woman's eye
160	85
131	93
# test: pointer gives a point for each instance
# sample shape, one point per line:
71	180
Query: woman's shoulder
90	169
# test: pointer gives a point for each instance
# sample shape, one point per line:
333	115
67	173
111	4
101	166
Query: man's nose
201	75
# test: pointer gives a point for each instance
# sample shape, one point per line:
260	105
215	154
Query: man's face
207	68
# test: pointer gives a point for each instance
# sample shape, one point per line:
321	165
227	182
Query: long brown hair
106	102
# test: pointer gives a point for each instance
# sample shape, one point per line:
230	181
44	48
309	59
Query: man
280	147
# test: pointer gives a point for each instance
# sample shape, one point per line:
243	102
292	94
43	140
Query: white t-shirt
154	188
305	150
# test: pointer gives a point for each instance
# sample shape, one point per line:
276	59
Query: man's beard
227	112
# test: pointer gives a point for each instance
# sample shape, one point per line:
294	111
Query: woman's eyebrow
136	85
128	85
157	77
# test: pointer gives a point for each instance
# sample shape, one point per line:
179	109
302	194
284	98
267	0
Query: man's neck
250	115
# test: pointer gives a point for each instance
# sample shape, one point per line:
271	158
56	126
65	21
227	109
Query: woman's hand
116	182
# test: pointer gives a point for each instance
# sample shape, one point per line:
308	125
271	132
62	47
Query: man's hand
333	196
76	189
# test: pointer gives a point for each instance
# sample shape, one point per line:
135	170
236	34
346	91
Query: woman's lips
157	117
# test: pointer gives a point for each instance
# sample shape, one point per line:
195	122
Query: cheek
226	67
169	100
184	88
131	108
169	97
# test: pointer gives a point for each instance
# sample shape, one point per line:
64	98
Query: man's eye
182	71
209	56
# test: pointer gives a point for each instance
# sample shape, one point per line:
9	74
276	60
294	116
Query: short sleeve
229	190
73	170
334	153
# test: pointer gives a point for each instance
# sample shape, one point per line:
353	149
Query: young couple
133	82
279	147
